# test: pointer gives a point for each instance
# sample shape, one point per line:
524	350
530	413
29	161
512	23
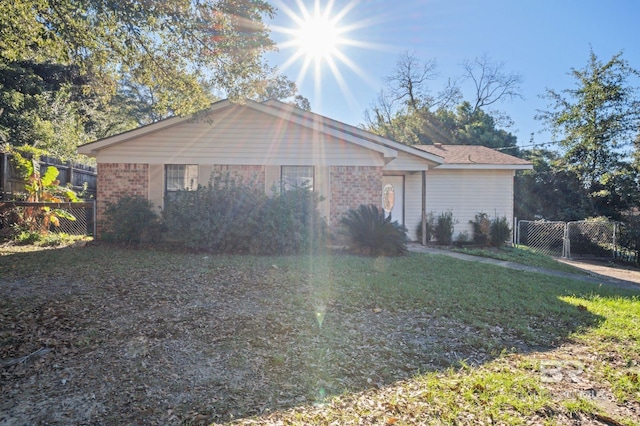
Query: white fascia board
484	167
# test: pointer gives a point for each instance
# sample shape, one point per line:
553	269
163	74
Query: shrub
430	225
230	216
373	234
129	219
499	231
462	238
219	217
481	228
443	230
289	223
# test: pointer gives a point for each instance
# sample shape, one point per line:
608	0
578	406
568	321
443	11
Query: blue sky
540	39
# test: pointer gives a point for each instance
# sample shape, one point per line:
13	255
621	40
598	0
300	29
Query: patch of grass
315	339
32	241
523	255
616	341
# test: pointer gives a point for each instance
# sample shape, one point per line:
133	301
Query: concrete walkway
591	278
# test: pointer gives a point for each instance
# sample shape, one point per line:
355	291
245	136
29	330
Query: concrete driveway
596	272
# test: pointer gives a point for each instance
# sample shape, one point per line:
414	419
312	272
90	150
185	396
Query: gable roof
474	157
388	148
352	130
439	156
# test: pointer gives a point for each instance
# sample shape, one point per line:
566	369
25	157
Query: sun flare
320	36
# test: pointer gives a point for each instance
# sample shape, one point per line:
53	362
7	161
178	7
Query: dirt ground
605	268
211	346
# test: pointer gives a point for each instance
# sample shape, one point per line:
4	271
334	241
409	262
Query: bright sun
317	39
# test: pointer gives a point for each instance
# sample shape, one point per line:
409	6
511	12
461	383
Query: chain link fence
545	237
569	239
72	218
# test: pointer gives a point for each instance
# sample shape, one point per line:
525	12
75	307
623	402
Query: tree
72	71
464	126
407	112
178	50
491	82
281	88
550	191
596	123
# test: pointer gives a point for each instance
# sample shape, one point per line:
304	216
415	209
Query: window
180	177
296	176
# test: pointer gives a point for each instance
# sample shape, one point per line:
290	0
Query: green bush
130	219
443	230
499	231
481	228
430	225
219	217
229	216
289	223
373	234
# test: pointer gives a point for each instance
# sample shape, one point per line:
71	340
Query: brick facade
116	180
250	175
352	186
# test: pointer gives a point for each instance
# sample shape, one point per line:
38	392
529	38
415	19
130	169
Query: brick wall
116	180
352	186
250	175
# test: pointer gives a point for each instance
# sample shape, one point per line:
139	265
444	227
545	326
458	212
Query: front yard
108	335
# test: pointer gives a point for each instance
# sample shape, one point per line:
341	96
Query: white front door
393	197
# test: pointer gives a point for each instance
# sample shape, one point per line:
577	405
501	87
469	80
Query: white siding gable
239	136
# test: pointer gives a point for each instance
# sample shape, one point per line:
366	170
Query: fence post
5	170
615	239
95	222
566	243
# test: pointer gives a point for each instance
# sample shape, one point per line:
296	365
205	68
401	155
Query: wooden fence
73	174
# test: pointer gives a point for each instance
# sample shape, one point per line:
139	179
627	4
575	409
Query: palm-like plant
374	234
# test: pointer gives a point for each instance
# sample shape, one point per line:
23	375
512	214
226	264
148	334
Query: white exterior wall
412	203
246	138
240	136
406	163
464	192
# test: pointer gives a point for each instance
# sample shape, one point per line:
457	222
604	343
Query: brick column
116	180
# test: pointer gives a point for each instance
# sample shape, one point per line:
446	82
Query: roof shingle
471	154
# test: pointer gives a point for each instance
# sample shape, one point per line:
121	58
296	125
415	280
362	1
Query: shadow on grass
175	337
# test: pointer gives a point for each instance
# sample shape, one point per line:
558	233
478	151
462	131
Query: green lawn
189	337
521	254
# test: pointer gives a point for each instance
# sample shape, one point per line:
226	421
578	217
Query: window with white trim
180	177
297	177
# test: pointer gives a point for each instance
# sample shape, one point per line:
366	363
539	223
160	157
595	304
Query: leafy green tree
44	105
281	88
178	48
76	70
550	191
468	126
596	123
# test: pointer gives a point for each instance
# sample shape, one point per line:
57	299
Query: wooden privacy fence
77	176
84	214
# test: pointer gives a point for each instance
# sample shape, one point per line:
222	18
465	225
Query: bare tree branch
492	83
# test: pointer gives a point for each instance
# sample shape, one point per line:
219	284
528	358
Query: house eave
484	167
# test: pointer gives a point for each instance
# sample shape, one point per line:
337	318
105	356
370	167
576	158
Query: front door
393	197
